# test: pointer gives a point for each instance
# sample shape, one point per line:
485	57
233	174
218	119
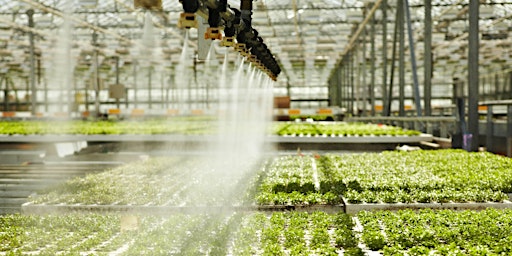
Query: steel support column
344	79
401	58
372	68
6	93
351	88
473	75
384	8
150	87
330	89
339	84
349	82
135	99
364	82
509	87
427	59
96	74
33	89
489	129
509	130
393	63
117	80
415	88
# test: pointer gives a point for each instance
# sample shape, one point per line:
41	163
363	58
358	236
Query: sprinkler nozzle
187	20
252	58
213	33
239	47
228	41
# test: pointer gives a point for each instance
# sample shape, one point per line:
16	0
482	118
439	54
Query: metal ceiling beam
75	19
361	26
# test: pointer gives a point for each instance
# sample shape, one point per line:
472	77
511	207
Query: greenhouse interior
265	127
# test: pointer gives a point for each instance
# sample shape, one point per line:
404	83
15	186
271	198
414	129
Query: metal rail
417	122
490	124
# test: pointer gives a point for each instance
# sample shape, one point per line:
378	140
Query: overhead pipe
253	43
214	31
245	34
214	20
229	27
227	13
190	6
246	9
223	6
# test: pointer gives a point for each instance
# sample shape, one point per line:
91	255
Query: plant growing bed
424	232
190	126
313	180
170	182
387	180
290	233
392	177
339	129
438	232
48	235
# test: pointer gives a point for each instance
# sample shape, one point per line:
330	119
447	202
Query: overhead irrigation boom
230	25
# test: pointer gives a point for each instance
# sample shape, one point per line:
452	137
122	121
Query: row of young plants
335	129
296	233
145	127
423	176
405	232
159	181
438	232
50	235
390	177
190	126
293	180
278	233
317	117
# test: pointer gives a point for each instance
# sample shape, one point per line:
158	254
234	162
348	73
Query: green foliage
345	239
48	235
155	181
354	251
339	129
190	125
298	249
298	233
374	240
424	176
446	232
407	232
182	125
